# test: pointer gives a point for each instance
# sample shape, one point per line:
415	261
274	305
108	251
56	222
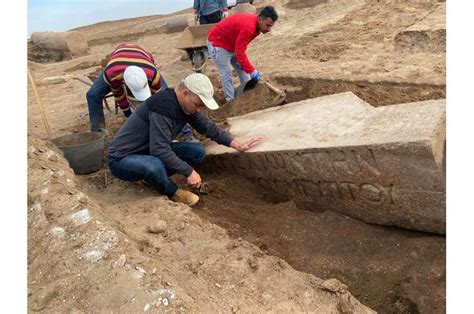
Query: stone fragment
121	261
253	263
158	227
81	217
383	165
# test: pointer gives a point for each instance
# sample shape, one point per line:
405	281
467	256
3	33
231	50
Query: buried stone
383	165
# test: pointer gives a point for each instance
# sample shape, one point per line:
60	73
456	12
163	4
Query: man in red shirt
227	43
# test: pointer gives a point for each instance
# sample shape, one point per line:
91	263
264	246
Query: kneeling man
143	147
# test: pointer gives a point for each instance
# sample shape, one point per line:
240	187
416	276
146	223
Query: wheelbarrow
193	40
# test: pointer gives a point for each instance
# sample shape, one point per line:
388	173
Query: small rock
181	226
80	217
140	269
253	263
218	285
334	285
158	227
147	307
121	261
234	309
281	264
83	200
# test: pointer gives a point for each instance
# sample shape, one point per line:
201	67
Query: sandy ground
89	248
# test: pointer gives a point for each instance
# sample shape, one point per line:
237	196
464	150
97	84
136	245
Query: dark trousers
212	18
138	167
94	97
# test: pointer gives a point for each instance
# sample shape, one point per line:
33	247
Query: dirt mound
418	41
261	97
376	94
111	256
302	4
37	54
310	47
127	36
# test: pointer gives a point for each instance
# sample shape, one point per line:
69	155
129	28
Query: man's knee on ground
200	152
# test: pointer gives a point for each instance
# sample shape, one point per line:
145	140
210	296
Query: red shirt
122	57
234	34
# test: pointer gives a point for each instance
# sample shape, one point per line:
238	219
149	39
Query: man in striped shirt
112	79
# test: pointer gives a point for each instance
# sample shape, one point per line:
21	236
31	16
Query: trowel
202	190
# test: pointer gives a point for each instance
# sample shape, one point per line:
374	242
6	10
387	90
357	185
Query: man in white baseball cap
201	85
143	148
137	81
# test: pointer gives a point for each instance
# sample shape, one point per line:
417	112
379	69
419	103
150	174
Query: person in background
233	3
143	148
210	11
227	43
131	75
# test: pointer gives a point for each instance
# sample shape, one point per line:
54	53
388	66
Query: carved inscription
299	163
344	191
340	161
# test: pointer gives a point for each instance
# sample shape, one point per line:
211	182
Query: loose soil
240	249
388	269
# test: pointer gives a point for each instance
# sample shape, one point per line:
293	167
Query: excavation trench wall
375	93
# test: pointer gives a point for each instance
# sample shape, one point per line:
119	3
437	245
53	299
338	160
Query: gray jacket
153	126
206	7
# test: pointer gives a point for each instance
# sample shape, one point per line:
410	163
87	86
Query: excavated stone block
428	35
177	24
383	165
72	42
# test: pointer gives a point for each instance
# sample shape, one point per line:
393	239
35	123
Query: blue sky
61	15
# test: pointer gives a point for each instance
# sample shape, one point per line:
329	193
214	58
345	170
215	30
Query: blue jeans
151	169
223	59
94	97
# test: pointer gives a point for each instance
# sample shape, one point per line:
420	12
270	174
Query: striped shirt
122	57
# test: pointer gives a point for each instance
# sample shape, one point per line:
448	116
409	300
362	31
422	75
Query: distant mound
303	4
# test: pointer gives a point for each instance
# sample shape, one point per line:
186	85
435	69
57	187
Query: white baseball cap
136	80
201	85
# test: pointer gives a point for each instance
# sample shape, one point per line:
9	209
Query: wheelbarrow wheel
198	62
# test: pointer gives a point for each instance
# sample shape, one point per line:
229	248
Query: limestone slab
383	165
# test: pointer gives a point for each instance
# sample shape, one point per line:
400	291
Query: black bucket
83	151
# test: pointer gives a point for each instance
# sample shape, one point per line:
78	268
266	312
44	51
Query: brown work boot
185	197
